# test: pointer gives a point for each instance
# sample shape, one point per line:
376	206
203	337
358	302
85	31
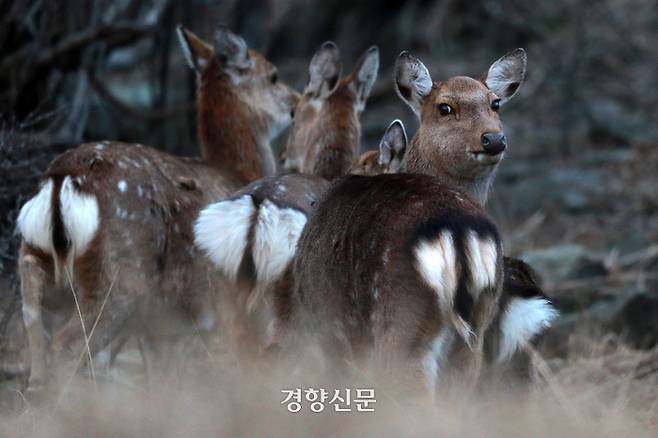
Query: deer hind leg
102	310
36	276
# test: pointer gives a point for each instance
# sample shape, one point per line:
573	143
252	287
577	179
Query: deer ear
413	82
232	49
197	53
324	71
365	74
506	75
393	146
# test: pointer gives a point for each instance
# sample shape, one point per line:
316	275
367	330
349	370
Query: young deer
112	222
405	271
386	159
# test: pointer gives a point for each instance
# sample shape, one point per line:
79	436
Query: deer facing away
326	130
112	222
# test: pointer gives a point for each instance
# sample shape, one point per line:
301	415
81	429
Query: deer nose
494	143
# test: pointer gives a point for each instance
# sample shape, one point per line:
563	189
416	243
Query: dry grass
601	389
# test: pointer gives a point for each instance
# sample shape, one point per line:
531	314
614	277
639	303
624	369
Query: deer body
251	236
112	222
415	266
405	271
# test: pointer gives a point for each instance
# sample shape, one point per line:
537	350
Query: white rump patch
436	262
523	320
221	232
275	240
79	215
482	256
121	185
35	219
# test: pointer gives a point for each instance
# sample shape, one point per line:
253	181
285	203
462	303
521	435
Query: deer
405	271
250	236
111	224
326	130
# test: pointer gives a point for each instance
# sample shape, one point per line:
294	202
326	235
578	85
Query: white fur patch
221	232
316	104
187	53
79	215
436	262
506	71
523	320
275	240
35	219
121	185
498	77
482	255
30	315
412	74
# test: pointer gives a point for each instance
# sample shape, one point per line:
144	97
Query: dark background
576	195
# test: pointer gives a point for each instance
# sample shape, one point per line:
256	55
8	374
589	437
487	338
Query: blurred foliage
114	70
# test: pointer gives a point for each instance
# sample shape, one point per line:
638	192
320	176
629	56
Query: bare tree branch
113	35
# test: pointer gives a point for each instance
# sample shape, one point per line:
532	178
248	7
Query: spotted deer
111	223
405	271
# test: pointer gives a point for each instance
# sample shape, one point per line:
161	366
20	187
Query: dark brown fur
357	291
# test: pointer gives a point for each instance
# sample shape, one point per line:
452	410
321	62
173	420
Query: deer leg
76	339
35	277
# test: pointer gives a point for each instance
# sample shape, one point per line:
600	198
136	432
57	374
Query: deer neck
228	133
338	132
415	162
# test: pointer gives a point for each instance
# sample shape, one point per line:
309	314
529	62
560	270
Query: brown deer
386	159
405	271
111	224
326	130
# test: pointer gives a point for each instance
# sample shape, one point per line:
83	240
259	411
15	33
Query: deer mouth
487	158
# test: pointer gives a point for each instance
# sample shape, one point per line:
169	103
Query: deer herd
387	259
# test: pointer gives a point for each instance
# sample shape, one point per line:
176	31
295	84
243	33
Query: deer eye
274	77
495	105
445	109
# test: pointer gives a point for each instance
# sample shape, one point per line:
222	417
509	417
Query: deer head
240	96
460	138
326	129
386	159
